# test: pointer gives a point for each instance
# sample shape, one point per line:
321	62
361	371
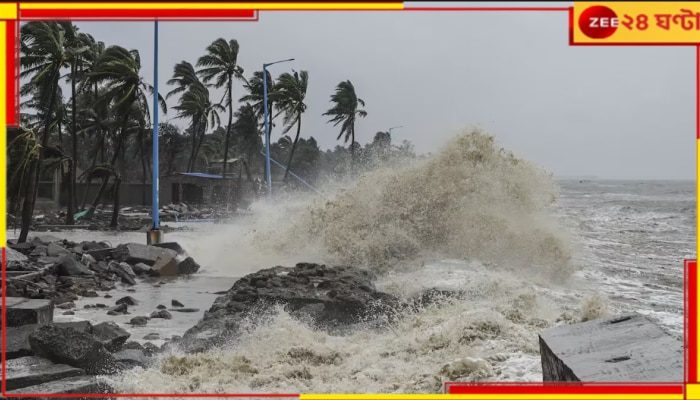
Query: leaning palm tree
255	96
345	111
291	92
247	137
118	69
196	105
221	64
43	56
184	76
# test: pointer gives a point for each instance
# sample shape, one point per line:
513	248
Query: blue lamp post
268	176
155	235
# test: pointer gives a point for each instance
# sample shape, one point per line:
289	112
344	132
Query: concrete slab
18	337
73	385
623	348
31	371
21	311
14	255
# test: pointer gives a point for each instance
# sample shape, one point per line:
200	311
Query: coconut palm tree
255	96
184	76
291	92
118	69
195	104
43	55
221	64
345	111
247	139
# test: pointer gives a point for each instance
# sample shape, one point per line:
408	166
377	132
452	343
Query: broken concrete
21	311
165	266
73	385
133	253
623	348
111	335
72	347
30	371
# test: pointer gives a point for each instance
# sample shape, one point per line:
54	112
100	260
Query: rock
152	336
44	240
187	266
108	296
142	269
113	313
176	303
161	314
101	254
150	349
120	308
139	321
25	246
66	306
69	313
40	251
132	346
18	337
165	266
124	271
161	307
133	358
72	347
56	250
133	253
21	311
91	294
111	335
69	266
73	385
128	300
172	246
14	255
185	310
67	298
623	348
30	371
331	298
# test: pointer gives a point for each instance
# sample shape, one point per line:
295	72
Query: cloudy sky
615	112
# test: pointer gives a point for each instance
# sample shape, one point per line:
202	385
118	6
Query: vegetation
101	129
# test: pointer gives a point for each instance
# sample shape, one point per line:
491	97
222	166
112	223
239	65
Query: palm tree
77	49
255	96
291	91
195	104
248	141
184	76
118	69
345	111
43	55
221	64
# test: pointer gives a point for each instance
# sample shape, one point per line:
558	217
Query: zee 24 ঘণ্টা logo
600	22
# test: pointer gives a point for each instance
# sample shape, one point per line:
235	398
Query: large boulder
72	347
133	253
328	297
111	335
69	266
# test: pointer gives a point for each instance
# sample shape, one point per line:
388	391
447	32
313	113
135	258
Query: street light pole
155	235
394	127
268	173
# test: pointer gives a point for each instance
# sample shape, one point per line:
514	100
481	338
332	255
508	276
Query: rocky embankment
46	275
48	357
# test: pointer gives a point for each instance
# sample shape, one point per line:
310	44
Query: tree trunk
190	163
115	213
228	129
74	153
294	147
143	175
352	150
28	206
199	145
26	218
115	157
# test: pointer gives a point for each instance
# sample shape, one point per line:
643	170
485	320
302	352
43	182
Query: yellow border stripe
490	396
692	391
8	11
209	6
3	136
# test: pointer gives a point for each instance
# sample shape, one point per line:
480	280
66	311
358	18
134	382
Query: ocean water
529	253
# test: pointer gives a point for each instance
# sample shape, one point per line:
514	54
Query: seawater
528	251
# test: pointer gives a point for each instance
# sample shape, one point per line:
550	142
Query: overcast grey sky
611	112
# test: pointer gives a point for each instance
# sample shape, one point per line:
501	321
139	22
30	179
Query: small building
195	188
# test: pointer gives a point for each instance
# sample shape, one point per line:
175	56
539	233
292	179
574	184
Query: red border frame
690	281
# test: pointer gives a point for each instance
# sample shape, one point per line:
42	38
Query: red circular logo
598	22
